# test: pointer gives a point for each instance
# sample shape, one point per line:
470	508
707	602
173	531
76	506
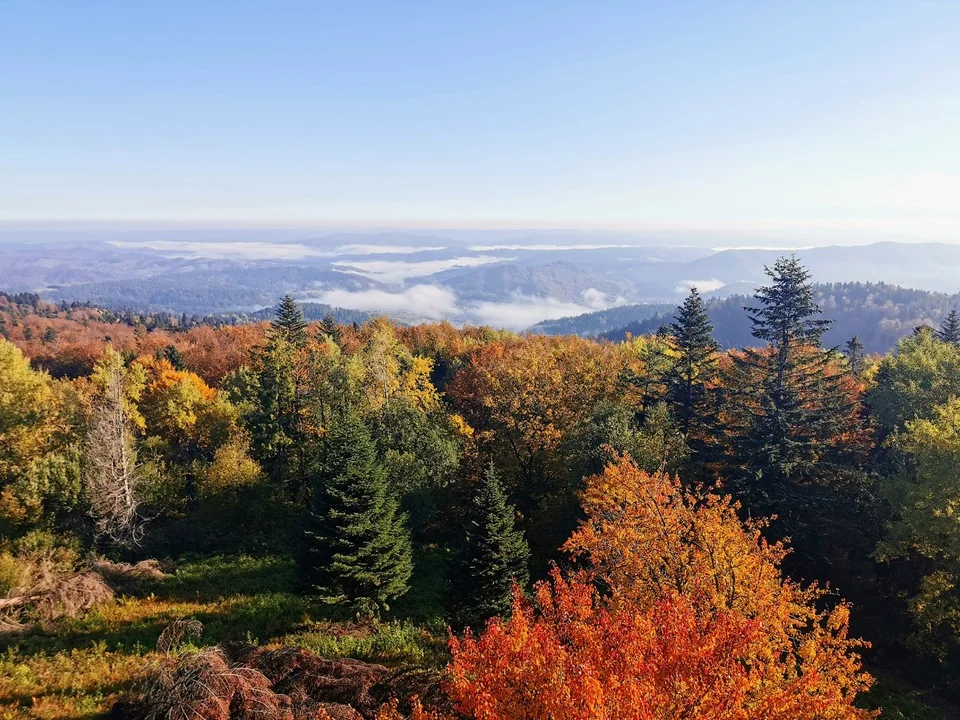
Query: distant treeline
24	304
878	312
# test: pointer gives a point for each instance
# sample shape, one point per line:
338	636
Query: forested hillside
65	339
602	321
316	519
879	314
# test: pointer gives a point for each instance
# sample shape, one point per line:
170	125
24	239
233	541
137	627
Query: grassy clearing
76	668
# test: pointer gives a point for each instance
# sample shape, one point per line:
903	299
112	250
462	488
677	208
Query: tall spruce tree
329	327
790	400
276	423
173	355
693	371
795	448
493	556
288	323
949	331
855	355
358	546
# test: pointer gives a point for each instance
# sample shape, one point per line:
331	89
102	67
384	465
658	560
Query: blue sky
826	116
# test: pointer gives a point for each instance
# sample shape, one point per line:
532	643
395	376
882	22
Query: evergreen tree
694	370
797	448
329	327
358	546
288	324
790	400
174	357
950	329
276	423
855	355
494	556
276	420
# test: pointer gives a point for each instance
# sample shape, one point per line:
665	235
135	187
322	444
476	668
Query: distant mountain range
514	279
879	313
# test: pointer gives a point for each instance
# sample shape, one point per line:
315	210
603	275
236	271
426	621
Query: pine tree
289	324
695	368
494	556
950	329
790	399
329	327
796	437
855	355
358	546
173	355
276	423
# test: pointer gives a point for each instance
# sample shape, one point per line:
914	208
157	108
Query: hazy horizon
830	122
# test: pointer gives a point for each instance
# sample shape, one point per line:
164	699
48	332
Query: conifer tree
329	327
694	369
494	556
289	324
855	355
173	355
790	400
358	546
949	331
276	424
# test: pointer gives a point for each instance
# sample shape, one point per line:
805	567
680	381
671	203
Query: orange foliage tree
526	396
696	622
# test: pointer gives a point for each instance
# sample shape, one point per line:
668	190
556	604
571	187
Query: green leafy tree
358	546
39	472
925	497
949	330
921	373
493	557
420	455
612	432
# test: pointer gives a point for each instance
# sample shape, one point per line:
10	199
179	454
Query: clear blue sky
587	114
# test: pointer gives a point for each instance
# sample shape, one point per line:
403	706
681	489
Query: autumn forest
294	519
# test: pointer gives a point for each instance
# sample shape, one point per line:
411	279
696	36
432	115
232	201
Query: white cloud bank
396	271
386	249
523	311
432	302
225	250
254	250
427	301
547	246
700	285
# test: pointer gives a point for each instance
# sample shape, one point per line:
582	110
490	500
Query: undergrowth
78	667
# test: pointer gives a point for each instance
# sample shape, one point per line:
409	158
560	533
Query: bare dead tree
110	469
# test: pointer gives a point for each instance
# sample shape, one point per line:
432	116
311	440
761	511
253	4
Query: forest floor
77	668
